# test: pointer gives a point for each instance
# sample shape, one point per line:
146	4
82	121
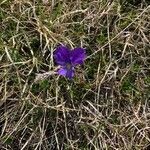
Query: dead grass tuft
106	106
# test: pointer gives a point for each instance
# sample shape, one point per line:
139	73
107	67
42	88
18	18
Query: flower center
68	66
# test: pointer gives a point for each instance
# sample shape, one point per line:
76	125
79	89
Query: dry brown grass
106	105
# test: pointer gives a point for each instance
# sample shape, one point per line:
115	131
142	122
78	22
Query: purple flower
68	59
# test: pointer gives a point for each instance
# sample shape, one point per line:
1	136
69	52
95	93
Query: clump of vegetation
105	105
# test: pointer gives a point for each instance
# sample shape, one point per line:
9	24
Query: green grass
105	106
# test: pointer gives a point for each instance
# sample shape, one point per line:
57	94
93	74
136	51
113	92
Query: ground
105	106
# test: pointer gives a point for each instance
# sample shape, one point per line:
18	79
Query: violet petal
62	71
70	73
77	56
62	55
